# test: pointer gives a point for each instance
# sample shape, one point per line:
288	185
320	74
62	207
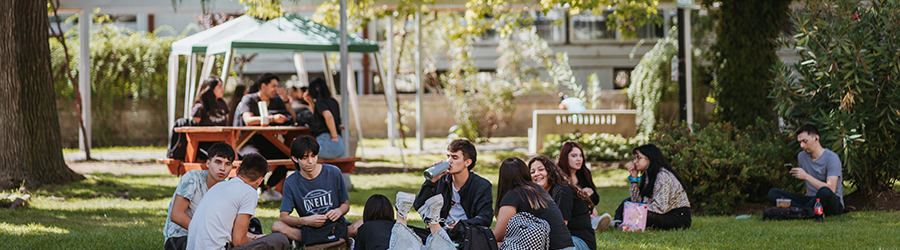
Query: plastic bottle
820	214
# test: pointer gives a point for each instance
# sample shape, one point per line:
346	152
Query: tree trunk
30	146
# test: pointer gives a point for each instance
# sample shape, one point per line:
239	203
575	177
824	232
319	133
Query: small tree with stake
846	83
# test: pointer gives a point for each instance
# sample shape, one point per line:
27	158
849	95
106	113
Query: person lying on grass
191	189
316	191
222	220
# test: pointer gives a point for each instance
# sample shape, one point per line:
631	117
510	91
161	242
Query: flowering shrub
597	147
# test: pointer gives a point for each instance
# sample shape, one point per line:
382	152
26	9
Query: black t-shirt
220	119
374	235
575	211
318	126
583	183
559	234
249	104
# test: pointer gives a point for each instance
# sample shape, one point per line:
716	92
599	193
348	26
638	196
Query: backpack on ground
526	232
474	237
787	213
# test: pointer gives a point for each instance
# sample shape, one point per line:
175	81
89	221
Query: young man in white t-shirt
190	191
222	222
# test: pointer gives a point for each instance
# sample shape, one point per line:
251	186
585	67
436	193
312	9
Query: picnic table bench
622	122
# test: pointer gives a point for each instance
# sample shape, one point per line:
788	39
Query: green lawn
126	211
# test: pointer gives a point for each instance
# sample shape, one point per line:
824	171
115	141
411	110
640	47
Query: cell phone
789	166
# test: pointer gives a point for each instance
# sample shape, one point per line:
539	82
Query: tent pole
226	66
207	67
172	91
345	74
300	66
84	78
420	128
188	87
328	76
354	103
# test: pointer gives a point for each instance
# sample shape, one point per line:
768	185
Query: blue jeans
579	244
404	238
329	149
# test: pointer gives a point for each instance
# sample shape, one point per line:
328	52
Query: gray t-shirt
827	165
192	186
213	220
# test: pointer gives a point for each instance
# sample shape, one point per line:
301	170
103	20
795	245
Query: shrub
722	166
846	83
597	147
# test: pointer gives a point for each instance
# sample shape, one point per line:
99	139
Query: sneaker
351	243
270	195
404	202
431	210
601	223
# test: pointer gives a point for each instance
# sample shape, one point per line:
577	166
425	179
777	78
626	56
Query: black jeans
831	203
676	218
259	144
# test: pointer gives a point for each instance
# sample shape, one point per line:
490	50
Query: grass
117	149
127	211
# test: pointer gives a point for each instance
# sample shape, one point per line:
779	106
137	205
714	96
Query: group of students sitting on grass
540	205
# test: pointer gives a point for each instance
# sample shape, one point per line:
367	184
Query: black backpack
475	237
178	143
787	213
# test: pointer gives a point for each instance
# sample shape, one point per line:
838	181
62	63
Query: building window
589	27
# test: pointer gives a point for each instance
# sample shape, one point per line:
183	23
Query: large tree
30	146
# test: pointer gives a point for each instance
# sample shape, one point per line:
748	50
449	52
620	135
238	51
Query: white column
143	21
188	86
687	69
345	74
328	76
420	127
300	66
172	91
207	68
84	75
388	81
226	65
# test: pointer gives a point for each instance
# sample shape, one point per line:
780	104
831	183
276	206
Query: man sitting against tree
820	168
222	220
467	196
191	189
316	191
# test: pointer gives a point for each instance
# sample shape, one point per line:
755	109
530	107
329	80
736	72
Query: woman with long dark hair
574	204
571	161
517	193
209	109
326	119
378	219
660	187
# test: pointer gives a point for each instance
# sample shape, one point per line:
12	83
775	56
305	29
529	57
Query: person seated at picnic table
659	187
190	190
209	109
222	220
573	203
326	119
517	193
820	169
281	115
571	161
316	191
300	106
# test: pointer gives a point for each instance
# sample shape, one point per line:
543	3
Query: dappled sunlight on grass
30	228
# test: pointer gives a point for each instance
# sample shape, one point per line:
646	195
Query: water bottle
263	113
436	170
820	213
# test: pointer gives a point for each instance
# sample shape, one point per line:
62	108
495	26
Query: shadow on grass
105	228
131	187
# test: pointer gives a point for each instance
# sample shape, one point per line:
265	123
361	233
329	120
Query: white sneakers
431	210
404	202
270	195
601	222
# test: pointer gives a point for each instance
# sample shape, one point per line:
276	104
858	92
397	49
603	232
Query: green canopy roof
197	43
292	33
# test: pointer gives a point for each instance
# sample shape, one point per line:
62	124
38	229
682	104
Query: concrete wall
438	117
142	125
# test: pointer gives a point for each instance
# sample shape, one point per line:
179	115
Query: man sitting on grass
222	221
190	191
820	168
316	191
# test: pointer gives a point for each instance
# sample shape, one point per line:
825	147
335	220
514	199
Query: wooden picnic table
238	136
